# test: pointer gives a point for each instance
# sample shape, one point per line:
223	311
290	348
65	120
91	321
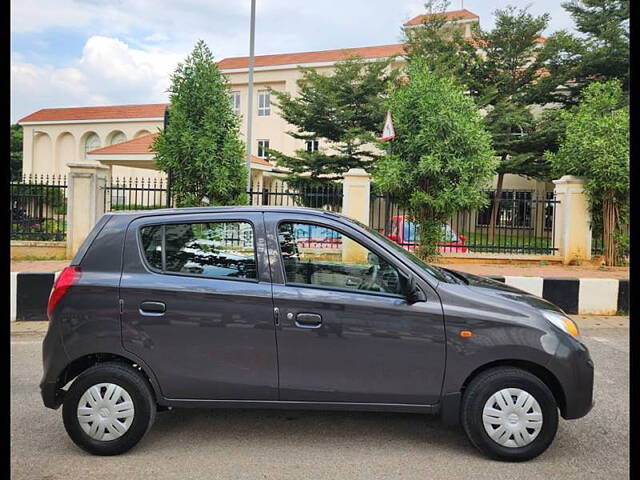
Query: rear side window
215	249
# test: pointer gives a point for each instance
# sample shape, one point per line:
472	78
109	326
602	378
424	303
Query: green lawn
518	243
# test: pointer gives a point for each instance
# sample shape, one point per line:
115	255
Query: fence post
85	201
572	229
356	196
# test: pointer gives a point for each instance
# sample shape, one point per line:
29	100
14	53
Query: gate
39	208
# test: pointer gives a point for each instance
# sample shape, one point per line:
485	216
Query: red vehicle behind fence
405	233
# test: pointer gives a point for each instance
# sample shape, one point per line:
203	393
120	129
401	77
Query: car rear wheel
509	414
108	408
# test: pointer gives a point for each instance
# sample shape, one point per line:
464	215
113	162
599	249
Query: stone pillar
572	228
356	195
85	201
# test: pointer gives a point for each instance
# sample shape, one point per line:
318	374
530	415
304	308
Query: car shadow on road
296	427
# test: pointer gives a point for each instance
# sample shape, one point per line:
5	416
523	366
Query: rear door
197	306
346	333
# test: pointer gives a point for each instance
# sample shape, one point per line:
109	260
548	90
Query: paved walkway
534	270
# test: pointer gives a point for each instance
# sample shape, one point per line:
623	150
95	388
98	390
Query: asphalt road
271	444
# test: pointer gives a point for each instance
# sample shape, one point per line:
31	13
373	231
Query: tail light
67	277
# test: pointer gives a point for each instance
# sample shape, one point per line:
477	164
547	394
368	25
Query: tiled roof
142	146
260	161
463	14
116	112
379	51
137	146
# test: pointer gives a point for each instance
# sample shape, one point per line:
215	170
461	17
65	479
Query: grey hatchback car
263	307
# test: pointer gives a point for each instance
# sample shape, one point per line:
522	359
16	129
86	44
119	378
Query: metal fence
523	225
39	208
135	193
326	197
150	193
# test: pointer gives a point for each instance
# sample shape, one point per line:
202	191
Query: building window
118	137
235	102
91	142
514	210
264	103
263	146
311	145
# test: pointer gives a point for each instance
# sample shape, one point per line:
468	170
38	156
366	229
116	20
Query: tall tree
442	156
441	44
600	53
505	78
16	151
344	111
596	145
201	145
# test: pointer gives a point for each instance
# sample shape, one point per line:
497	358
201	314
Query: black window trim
323	287
154	270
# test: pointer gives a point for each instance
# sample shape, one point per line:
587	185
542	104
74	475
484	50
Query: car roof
237	208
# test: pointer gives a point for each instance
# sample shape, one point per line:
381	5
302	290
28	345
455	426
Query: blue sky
101	52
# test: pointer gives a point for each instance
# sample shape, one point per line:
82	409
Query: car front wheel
509	414
108	408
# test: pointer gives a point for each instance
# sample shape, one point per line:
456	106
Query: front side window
264	103
320	256
263	147
216	249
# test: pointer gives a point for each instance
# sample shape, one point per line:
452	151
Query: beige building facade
58	136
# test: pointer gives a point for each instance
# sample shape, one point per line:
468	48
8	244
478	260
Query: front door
346	332
197	306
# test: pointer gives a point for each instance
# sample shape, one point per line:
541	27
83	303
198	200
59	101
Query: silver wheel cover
105	411
512	417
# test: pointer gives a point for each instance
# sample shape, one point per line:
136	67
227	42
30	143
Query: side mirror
411	290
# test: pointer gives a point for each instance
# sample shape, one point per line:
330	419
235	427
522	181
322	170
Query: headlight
562	322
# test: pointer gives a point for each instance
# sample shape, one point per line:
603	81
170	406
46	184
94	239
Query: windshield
432	270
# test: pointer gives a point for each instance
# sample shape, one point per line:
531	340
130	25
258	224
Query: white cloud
132	46
108	72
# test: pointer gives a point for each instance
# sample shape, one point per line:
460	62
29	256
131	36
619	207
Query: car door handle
153	308
308	320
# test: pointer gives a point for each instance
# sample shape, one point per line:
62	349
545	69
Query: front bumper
573	367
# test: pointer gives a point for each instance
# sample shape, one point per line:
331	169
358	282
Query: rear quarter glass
77	258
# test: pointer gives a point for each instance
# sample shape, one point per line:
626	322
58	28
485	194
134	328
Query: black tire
487	383
138	388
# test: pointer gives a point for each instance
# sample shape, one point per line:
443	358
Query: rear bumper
52	395
54	361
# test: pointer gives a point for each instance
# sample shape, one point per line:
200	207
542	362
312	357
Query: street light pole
250	99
